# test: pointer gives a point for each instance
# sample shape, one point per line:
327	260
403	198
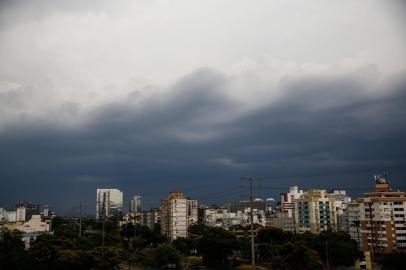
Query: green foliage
105	258
64	227
12	253
274	235
393	261
46	250
185	245
73	259
299	257
128	230
216	245
167	254
339	247
198	230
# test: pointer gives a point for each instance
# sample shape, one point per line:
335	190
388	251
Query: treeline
214	248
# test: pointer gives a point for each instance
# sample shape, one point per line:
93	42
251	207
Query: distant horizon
237	194
151	96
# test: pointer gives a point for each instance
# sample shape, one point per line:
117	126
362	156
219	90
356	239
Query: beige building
315	212
35	224
177	214
382	216
352	214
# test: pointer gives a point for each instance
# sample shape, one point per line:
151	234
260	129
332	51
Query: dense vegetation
214	248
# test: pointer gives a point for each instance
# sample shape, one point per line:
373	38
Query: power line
250	180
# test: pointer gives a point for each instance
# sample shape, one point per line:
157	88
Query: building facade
151	217
109	202
315	212
25	210
135	204
352	214
382	217
177	214
288	201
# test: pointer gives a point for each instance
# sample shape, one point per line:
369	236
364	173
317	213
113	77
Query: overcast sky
153	96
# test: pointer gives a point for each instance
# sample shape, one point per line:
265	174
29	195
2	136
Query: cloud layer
149	97
198	135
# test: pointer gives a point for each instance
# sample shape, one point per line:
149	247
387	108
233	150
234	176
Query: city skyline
216	197
149	97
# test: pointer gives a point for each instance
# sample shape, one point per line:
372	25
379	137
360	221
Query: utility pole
372	234
327	259
103	216
250	180
80	220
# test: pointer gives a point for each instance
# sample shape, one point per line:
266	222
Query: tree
339	247
299	257
46	249
185	245
167	254
127	230
106	258
12	253
274	236
216	245
73	259
392	261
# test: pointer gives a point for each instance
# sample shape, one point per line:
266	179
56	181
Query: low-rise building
33	228
282	221
35	224
241	231
11	216
25	210
151	217
2	215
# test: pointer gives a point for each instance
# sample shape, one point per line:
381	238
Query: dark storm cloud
320	127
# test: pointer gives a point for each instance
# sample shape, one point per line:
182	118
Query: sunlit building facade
177	214
109	203
315	212
382	216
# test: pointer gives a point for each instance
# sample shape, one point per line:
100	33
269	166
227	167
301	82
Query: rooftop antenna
386	174
386	178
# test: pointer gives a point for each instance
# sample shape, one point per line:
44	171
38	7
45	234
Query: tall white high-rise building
111	200
135	204
288	200
177	214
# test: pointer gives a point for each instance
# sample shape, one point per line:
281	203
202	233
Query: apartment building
135	204
353	225
177	213
315	212
288	200
382	216
109	202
